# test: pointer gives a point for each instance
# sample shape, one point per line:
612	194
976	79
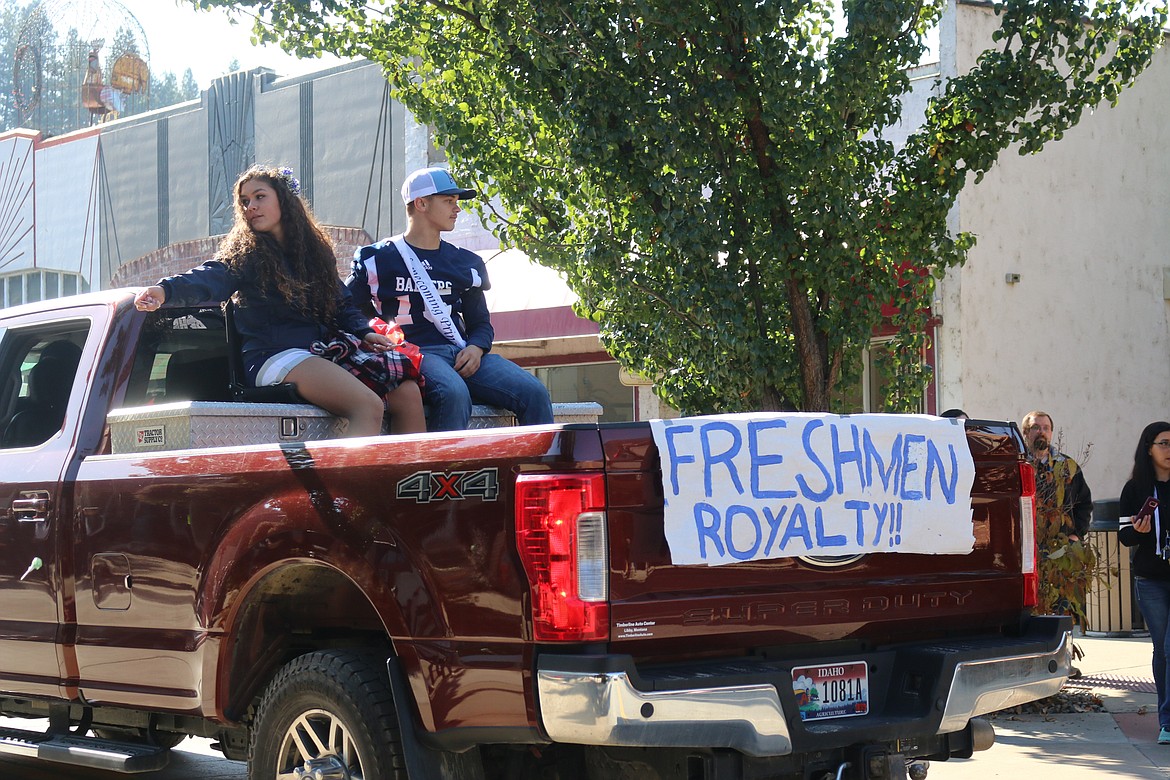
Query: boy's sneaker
1164	737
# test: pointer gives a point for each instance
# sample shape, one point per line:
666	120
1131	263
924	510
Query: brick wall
176	258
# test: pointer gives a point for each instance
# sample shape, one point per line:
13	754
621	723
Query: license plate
832	690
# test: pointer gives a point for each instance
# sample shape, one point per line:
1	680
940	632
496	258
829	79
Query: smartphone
1147	509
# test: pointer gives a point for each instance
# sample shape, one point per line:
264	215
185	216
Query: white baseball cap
432	181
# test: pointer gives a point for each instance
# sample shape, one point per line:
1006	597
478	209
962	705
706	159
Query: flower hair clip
293	184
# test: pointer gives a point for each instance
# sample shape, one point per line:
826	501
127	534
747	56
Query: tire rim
318	746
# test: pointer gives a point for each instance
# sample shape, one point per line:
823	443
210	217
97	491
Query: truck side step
90	752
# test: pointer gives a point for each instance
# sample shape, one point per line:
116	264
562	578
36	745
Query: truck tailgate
875	598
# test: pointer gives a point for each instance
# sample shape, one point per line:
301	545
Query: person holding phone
1145	525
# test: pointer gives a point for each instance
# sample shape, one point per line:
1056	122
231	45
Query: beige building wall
278	125
1085	332
128	181
65	215
187	163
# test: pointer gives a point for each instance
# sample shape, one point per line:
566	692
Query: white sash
435	310
1159	539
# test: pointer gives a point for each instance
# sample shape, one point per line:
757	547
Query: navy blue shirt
265	322
380	277
1146	561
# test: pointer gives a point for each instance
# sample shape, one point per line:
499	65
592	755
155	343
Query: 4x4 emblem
424	487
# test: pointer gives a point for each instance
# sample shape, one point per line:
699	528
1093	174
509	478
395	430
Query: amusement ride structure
79	62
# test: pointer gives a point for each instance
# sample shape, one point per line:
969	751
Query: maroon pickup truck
178	559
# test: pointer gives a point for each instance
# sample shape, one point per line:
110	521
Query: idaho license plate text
838	690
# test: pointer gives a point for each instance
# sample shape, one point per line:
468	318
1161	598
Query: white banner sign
749	487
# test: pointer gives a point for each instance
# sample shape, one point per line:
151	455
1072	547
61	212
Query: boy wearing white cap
434	290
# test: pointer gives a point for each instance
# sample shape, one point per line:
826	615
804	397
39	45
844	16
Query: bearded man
1060	482
1064	507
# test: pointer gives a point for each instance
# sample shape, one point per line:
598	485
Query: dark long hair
302	270
1143	474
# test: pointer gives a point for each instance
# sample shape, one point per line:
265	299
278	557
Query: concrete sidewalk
1118	743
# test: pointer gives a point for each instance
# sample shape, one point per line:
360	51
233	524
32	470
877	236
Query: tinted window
37	369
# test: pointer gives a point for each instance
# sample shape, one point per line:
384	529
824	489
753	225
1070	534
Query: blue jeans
498	382
1154	601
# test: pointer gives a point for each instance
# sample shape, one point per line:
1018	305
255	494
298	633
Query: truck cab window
182	355
38	367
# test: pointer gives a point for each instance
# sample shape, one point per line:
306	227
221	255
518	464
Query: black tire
331	710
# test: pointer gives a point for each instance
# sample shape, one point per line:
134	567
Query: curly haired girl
278	267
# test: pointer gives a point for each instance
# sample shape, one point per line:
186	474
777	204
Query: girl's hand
150	298
1143	524
376	342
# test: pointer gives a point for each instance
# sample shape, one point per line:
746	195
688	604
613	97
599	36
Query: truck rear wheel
329	713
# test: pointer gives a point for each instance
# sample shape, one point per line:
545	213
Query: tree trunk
772	400
809	349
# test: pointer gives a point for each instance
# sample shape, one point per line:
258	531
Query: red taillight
1027	480
563	544
1028	535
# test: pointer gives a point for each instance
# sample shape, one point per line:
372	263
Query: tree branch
468	15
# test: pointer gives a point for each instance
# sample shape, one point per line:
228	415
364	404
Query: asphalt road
1115	744
193	759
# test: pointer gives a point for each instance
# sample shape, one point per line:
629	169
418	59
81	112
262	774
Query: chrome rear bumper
606	709
980	687
596	701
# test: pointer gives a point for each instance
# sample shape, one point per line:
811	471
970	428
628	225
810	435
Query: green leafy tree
168	89
1068	570
59	109
11	13
716	179
28	67
165	91
190	87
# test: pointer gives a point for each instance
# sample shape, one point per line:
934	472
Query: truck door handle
33	507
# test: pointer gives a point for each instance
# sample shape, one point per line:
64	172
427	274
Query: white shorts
276	368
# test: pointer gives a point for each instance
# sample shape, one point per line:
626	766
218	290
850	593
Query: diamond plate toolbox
198	424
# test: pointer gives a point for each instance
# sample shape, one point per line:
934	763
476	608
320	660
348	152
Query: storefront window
868	394
597	382
30	286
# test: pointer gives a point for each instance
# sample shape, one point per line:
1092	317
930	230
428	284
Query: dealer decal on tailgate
424	487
